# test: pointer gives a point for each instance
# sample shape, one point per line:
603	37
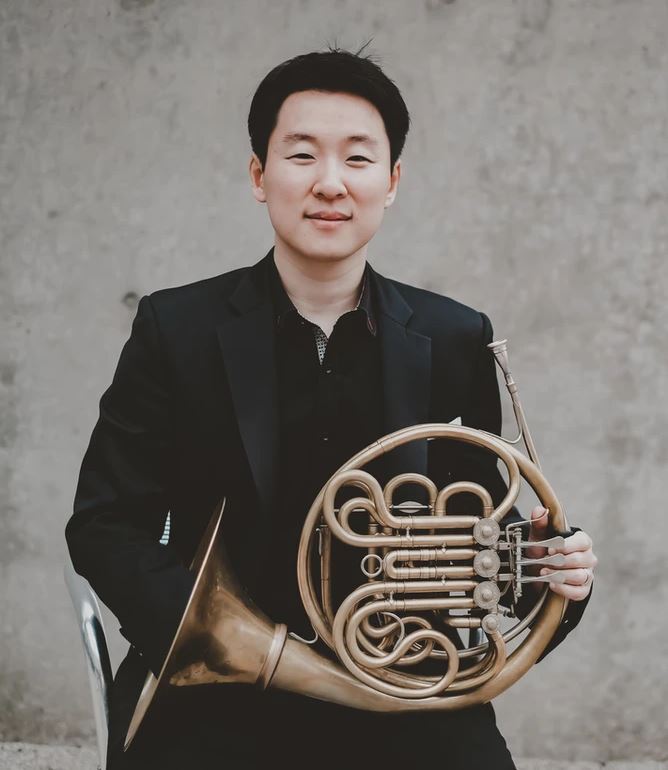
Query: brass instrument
413	565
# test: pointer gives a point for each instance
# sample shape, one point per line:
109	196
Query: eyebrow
296	136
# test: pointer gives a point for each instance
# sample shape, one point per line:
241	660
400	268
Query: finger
574	593
574	577
580	541
538	531
579	560
539	522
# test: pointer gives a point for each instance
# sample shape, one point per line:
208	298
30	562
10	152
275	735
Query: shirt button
328	371
325	438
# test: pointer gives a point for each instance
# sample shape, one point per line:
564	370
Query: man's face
328	155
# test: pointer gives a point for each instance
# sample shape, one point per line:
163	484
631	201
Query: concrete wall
534	187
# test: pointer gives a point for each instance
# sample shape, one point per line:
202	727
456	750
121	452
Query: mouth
328	222
329	217
320	223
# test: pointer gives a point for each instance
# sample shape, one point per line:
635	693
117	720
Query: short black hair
334	70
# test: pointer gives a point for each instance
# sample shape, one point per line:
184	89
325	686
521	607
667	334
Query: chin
331	257
326	252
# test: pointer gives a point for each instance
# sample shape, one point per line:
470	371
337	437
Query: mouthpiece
500	350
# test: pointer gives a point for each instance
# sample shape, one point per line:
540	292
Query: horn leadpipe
500	350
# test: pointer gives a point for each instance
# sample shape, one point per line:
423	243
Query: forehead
329	116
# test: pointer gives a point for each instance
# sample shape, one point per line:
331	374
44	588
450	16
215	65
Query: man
257	385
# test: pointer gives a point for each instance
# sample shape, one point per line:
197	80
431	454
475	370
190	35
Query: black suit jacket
191	416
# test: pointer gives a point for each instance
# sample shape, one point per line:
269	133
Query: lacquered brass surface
422	570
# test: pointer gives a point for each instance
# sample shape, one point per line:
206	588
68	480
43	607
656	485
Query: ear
394	183
257	179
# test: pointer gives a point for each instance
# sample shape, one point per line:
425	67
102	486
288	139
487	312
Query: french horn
422	569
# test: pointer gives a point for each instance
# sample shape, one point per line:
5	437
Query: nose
329	183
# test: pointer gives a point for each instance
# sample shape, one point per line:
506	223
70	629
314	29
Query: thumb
539	523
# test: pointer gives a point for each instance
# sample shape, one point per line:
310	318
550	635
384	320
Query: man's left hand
579	562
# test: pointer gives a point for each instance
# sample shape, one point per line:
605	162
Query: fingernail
544	571
551	551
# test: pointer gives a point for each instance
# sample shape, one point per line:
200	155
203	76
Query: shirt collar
284	306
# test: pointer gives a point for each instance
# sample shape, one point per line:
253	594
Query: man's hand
579	564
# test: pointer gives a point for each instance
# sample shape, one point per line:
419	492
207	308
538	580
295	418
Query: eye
358	158
301	156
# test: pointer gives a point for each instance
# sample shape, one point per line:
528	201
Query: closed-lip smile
330	216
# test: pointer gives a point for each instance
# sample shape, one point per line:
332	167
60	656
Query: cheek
372	190
292	182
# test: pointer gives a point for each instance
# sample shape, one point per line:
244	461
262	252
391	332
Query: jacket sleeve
122	499
483	411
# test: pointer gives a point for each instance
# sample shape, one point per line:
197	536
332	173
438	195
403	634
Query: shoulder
184	312
442	317
213	289
190	311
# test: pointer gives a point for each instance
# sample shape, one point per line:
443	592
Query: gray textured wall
534	187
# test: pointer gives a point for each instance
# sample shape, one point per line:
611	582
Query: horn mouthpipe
499	348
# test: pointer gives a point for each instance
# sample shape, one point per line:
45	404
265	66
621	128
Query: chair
89	618
96	653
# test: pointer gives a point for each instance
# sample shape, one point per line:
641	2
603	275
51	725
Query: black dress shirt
329	409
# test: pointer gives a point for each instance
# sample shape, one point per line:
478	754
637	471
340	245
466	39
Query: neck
320	289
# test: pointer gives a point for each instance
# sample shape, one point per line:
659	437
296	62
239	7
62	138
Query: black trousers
234	726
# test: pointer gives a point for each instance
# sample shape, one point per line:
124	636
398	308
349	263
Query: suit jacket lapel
406	371
247	343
